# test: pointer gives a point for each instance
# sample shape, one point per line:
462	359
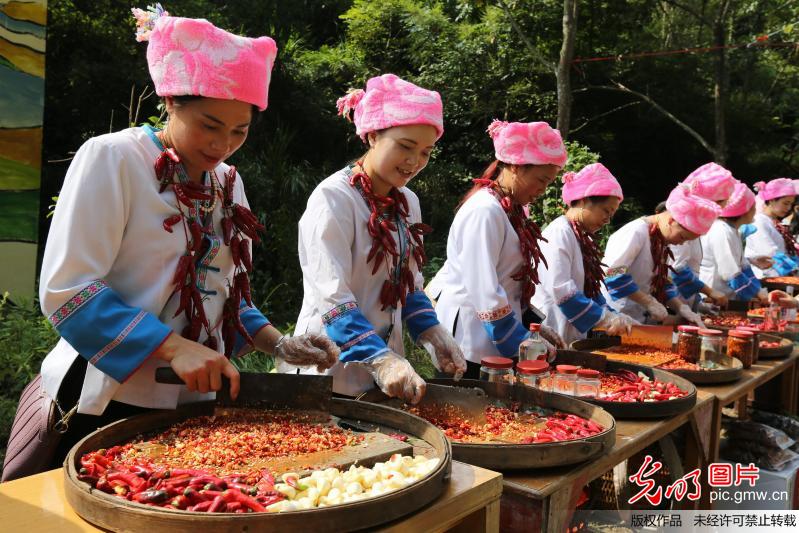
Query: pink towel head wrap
593	180
192	57
776	188
691	211
711	181
740	202
390	101
527	143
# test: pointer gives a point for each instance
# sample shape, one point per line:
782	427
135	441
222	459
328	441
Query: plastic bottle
533	347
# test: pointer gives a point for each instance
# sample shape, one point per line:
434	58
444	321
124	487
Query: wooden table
544	500
765	371
470	502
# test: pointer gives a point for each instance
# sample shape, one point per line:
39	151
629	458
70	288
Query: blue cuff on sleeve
112	335
671	291
581	312
687	282
745	287
418	314
620	286
253	321
504	330
746	230
352	332
784	264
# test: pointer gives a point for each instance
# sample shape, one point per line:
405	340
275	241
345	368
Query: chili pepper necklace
592	264
237	222
661	256
529	234
389	214
785	233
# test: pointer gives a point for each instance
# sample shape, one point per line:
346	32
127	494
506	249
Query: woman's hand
200	367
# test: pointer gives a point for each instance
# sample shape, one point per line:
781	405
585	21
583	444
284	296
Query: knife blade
268	390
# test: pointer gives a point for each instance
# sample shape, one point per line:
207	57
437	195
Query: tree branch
601	115
530	46
621	88
699	16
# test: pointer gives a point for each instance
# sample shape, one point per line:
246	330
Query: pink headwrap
691	211
192	57
740	202
711	181
527	143
592	180
775	189
390	101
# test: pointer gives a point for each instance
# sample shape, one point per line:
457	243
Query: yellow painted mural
22	48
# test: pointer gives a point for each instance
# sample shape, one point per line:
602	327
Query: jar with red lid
565	379
534	374
741	345
588	382
755	341
710	351
688	343
496	369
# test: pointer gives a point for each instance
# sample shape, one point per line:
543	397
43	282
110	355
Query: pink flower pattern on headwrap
593	180
740	202
527	143
390	101
711	181
691	211
194	57
776	188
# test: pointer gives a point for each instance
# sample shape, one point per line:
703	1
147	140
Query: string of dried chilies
661	257
389	215
239	227
785	233
529	235
592	264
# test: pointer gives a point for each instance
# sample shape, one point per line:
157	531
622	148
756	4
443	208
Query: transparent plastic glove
657	311
708	309
786	300
719	298
307	350
693	318
396	377
616	323
763	263
762	295
444	350
551	336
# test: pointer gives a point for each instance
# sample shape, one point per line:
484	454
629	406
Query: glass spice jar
496	369
534	374
740	344
688	343
565	379
587	385
710	354
755	341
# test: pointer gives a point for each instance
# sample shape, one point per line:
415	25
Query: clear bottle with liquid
533	348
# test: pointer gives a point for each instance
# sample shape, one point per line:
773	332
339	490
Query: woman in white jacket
492	250
361	250
724	267
771	248
569	294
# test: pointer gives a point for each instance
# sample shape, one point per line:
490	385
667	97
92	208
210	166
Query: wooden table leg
485	520
559	509
713	455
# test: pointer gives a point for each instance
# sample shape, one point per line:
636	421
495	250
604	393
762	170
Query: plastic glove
616	323
685	312
719	298
396	377
551	336
786	300
307	350
762	295
707	309
444	351
763	263
657	311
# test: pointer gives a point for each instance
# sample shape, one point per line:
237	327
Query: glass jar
688	343
741	345
588	383
710	354
533	348
755	341
534	374
496	369
565	379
